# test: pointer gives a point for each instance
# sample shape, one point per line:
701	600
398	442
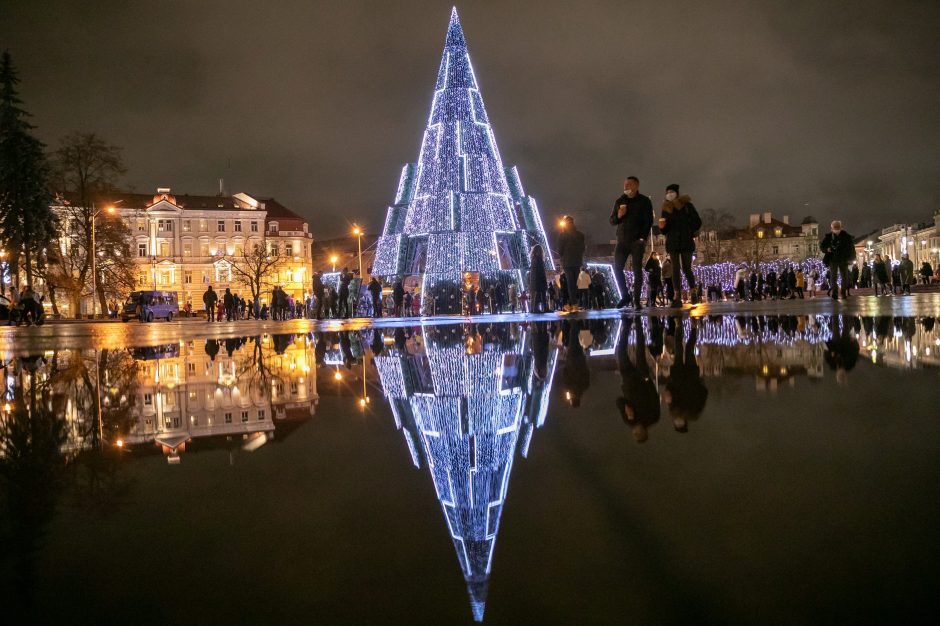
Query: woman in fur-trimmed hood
680	222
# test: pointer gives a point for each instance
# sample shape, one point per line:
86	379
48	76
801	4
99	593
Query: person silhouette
576	377
685	392
639	403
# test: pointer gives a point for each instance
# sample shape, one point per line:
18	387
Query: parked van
147	306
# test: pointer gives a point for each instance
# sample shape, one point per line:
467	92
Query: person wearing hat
633	217
571	251
680	223
839	250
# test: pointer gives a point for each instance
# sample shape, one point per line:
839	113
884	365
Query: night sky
829	108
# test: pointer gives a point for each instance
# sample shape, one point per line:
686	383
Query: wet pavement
764	462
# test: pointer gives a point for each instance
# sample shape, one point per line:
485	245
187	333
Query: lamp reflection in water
465	415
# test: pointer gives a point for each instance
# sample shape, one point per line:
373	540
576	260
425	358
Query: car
147	306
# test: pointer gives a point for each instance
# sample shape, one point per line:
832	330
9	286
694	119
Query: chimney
786	220
754	221
767	217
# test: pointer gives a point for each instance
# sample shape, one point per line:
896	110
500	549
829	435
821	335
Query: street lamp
333	260
94	258
358	233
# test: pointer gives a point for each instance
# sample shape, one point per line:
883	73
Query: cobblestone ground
75	334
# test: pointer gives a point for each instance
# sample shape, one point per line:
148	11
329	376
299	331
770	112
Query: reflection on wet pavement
465	399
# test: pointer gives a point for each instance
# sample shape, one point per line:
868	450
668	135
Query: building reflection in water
222	392
467	400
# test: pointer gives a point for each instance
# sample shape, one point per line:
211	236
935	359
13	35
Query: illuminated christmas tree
458	210
466	407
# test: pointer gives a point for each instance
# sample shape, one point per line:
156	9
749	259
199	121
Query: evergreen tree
27	222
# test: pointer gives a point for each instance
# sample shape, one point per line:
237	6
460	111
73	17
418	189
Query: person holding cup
680	223
633	217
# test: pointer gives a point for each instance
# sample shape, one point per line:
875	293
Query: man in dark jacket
318	292
228	301
571	250
344	279
639	403
633	217
680	222
839	250
375	290
209	299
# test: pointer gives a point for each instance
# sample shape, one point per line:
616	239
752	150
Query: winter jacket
907	271
881	272
537	279
838	249
655	271
209	298
636	222
571	247
682	224
584	280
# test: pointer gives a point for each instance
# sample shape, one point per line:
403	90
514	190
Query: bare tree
715	238
256	268
84	167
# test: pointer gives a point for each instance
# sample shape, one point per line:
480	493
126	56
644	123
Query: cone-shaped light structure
458	209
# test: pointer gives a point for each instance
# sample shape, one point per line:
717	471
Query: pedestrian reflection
842	349
685	394
576	377
639	404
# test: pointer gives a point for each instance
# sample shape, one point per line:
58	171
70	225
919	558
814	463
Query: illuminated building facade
458	210
467	405
185	243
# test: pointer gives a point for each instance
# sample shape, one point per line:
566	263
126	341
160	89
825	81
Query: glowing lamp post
94	258
333	260
358	234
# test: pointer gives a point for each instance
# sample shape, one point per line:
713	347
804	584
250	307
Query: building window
164	248
166	278
188	277
288	249
148	399
238	226
205	277
778	232
776	249
274	250
272	227
223	274
254	227
239	250
203	226
191	367
228	418
187	248
760	234
141	249
141	225
142	279
187	226
203	248
221	226
260	414
244	416
165	225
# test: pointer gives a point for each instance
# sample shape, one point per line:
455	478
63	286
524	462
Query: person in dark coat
680	223
538	282
228	301
209	298
926	272
639	404
906	268
318	293
375	290
398	298
842	349
654	277
839	250
571	250
345	278
633	217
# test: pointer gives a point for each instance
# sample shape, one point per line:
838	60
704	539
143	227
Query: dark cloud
830	108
